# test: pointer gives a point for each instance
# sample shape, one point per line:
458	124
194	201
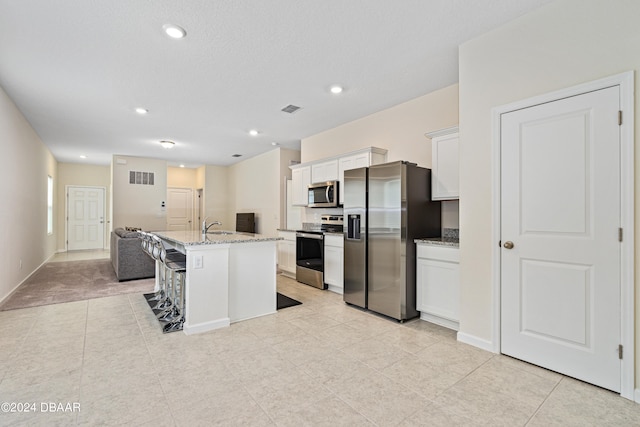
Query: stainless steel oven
310	258
310	249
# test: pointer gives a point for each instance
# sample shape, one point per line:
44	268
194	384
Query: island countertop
195	238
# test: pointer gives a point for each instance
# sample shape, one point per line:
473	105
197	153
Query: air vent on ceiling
236	155
290	109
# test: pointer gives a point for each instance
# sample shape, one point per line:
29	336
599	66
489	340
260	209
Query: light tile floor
319	363
80	255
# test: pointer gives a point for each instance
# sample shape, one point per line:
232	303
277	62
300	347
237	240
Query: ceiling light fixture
336	89
141	110
275	143
181	166
167	144
174	31
253	132
82	156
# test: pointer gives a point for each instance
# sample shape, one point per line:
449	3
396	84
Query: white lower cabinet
438	284
287	253
334	262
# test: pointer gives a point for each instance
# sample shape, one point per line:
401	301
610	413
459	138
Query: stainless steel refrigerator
386	207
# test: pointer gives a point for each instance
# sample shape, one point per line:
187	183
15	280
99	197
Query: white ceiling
77	69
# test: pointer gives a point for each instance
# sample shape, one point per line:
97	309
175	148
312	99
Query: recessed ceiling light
336	89
253	132
141	110
275	143
181	166
167	144
174	31
82	156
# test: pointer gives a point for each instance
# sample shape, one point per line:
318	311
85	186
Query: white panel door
560	280
179	209
85	218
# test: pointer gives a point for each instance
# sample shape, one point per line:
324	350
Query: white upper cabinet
300	180
361	159
445	179
331	169
324	171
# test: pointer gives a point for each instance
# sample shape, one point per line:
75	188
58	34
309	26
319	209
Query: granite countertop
439	241
450	237
287	230
193	238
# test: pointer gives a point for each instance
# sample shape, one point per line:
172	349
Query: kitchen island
230	276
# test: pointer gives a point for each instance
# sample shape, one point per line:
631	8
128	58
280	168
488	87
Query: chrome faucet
206	227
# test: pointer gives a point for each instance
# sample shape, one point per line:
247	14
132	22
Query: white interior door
179	209
85	218
560	291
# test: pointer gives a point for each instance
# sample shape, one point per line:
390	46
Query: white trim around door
105	221
625	82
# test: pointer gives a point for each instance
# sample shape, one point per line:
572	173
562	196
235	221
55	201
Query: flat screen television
246	222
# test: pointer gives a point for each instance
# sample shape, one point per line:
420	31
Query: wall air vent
142	178
290	109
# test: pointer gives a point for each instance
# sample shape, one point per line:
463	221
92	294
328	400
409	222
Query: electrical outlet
197	261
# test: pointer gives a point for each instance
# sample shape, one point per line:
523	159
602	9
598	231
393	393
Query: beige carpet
58	282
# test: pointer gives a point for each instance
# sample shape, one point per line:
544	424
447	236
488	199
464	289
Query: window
49	205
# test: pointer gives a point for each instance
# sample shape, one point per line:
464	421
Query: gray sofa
128	259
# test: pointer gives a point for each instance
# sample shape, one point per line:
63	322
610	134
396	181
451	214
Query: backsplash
451	233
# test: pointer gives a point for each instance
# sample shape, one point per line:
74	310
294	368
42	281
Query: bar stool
178	273
147	244
176	267
165	303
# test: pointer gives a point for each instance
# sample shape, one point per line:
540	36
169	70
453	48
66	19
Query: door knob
508	244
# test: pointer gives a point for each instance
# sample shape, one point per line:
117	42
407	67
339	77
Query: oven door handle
310	236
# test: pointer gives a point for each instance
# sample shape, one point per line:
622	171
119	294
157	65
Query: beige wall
565	43
255	185
138	205
80	175
182	177
399	129
217	196
24	166
287	157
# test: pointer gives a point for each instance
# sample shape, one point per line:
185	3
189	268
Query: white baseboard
287	274
476	342
451	324
206	326
253	317
636	395
25	279
336	289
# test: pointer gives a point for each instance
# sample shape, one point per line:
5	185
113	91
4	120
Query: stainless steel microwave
323	195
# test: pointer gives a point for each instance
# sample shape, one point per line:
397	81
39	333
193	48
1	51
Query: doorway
563	221
85	217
